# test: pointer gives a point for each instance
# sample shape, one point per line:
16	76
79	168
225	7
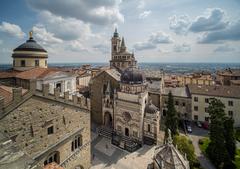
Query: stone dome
150	108
30	45
132	75
168	157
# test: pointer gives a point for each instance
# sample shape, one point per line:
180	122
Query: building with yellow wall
202	94
29	55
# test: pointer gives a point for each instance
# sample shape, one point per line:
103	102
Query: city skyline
186	31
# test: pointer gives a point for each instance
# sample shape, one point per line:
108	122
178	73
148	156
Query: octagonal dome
132	75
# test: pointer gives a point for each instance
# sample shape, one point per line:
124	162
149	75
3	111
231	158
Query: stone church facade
120	101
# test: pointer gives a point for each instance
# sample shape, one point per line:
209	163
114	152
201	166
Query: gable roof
6	93
42	73
218	91
8	74
34	73
111	72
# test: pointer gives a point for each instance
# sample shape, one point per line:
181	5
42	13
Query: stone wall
96	88
155	97
28	125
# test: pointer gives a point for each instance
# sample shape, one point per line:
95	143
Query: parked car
199	124
189	129
206	125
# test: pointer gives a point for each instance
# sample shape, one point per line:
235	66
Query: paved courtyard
107	156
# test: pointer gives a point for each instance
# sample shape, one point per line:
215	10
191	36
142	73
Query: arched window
104	88
53	157
76	143
69	86
149	128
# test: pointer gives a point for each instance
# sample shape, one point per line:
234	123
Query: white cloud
65	28
103	48
182	48
144	14
231	33
144	46
12	30
141	4
100	12
224	48
160	37
76	46
180	24
45	37
163	51
153	40
212	22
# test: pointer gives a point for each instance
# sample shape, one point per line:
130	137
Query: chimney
1	104
66	95
56	93
17	94
45	89
32	85
75	99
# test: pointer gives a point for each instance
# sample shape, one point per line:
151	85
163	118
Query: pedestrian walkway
205	163
108	156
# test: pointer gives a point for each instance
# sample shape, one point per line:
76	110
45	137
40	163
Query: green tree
171	121
185	146
230	140
216	149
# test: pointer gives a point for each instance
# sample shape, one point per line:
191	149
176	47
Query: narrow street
197	134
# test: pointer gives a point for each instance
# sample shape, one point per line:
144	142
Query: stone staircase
105	131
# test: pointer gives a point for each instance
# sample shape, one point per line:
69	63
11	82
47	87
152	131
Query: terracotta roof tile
8	74
36	73
229	72
53	165
217	91
6	95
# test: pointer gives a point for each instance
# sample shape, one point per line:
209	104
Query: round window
126	116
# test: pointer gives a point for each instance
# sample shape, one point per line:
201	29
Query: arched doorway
107	119
79	167
53	157
164	112
126	132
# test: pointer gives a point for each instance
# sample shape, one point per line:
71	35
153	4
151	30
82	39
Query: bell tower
120	57
115	42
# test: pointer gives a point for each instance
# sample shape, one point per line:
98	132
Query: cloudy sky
156	30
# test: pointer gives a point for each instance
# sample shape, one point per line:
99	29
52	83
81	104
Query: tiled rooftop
6	93
176	91
218	91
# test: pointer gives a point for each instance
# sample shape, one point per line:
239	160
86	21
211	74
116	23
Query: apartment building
201	96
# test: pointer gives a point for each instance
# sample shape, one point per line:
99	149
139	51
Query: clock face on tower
126	116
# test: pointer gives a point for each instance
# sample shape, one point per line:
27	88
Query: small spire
123	43
31	34
169	139
123	47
